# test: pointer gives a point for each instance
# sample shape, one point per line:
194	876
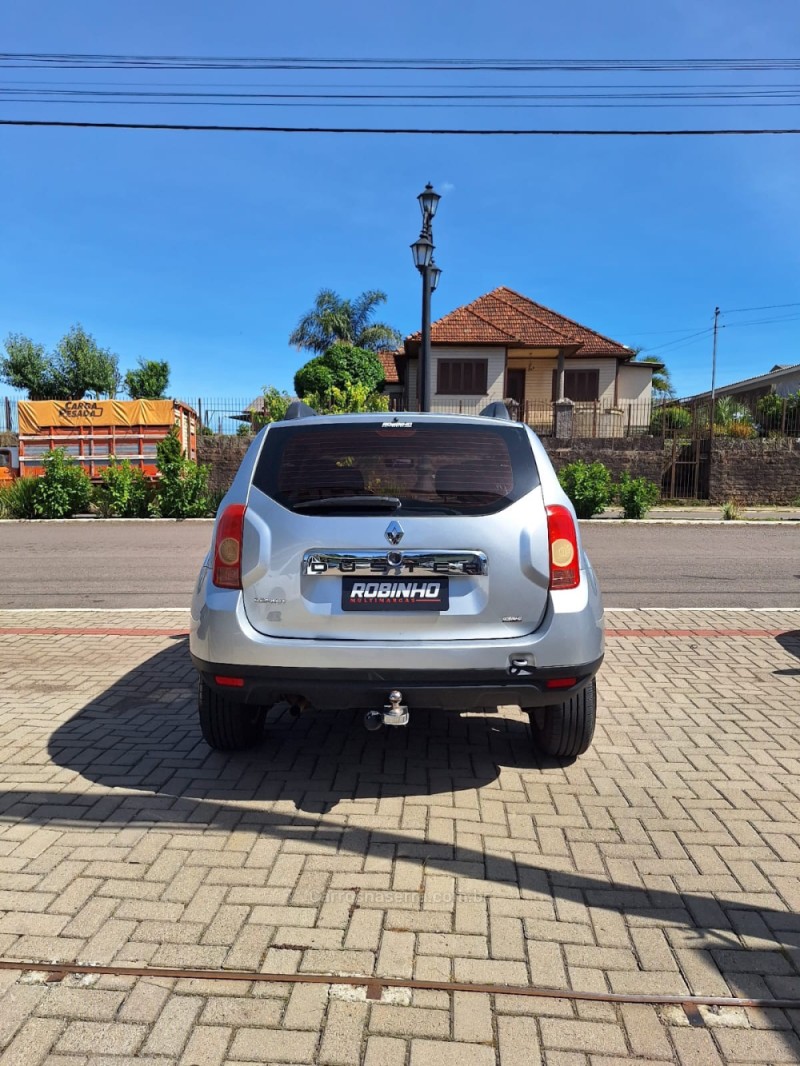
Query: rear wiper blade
351	503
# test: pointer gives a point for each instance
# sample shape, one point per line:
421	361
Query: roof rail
298	409
496	410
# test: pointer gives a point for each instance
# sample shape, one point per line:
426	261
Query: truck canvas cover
37	415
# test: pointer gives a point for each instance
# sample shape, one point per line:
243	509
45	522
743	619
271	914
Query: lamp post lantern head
428	202
422	251
434	274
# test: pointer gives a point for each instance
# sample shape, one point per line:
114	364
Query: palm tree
333	319
662	383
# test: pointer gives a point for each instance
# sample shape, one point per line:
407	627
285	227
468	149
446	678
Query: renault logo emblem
394	533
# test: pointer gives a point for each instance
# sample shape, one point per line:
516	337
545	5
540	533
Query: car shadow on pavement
790	642
140	739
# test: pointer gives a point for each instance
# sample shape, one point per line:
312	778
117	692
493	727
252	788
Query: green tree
78	367
333	319
341	365
149	381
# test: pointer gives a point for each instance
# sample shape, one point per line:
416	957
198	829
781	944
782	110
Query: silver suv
387	561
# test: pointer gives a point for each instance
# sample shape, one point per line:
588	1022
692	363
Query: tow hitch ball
394	712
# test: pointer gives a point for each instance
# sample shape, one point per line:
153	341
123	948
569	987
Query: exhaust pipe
395	712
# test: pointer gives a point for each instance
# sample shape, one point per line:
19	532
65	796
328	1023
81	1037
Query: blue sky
204	249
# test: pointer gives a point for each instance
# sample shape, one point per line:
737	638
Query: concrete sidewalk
666	860
709	514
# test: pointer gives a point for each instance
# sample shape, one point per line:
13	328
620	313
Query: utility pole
713	375
714	359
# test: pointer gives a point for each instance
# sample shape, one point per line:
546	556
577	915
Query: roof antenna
496	410
298	409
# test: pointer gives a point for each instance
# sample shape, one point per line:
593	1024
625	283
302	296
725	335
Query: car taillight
228	548
565	564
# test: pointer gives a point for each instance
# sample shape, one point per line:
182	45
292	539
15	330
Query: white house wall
539	378
495	376
635	383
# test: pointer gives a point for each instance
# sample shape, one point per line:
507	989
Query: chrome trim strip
395	562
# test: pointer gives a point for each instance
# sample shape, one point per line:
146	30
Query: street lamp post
422	250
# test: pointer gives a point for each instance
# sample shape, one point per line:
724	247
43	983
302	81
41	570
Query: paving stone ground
666	860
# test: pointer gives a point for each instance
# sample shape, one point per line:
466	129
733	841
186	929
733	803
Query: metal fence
224	415
764	416
767	416
596	419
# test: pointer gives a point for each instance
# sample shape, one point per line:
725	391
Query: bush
733	419
670	420
637	495
123	492
182	490
588	485
742	430
347	400
16	499
276	404
63	490
730	510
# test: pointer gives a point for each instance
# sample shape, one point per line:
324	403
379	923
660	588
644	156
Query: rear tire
565	730
228	726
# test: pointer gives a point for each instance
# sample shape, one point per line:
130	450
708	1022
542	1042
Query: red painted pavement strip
116	631
90	631
696	632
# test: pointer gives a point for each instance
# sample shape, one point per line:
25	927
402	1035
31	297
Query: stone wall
9	440
637	456
223	455
750	471
755	471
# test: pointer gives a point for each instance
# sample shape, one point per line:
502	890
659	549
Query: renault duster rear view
393	561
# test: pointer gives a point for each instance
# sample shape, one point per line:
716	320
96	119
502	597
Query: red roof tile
506	318
389	360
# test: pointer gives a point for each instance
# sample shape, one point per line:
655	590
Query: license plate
404	594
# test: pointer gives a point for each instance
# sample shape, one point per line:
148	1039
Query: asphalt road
153	564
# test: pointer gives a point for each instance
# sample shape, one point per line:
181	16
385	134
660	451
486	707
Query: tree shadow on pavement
140	739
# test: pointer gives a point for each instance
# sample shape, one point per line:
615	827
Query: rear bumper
455	673
369	689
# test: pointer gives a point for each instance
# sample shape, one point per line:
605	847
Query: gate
685	474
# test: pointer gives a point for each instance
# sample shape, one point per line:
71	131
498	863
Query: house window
461	377
583	386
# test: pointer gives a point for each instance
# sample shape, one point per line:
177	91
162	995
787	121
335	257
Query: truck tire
565	730
228	726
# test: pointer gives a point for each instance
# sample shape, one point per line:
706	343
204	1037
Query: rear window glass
431	468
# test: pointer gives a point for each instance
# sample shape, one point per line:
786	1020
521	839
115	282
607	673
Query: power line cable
110	60
679	341
359	130
763	307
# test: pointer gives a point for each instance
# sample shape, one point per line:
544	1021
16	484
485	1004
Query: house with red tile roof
505	346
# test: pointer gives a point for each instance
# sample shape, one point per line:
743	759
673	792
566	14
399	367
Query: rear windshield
430	468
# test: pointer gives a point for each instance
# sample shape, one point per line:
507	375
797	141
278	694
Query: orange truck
93	432
9	465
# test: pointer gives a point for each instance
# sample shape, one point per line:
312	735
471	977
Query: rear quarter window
431	468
